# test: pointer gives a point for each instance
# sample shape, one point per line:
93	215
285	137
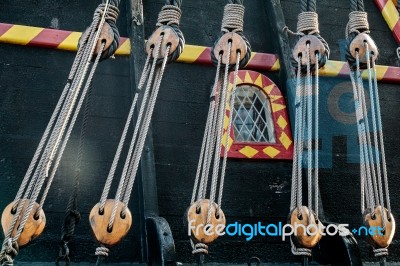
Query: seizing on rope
23	220
111	219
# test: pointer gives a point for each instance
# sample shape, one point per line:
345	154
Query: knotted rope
199	248
8	253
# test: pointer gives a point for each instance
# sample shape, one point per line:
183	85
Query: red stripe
122	40
392	75
381	3
49	38
345	71
4	28
205	57
396	32
262	61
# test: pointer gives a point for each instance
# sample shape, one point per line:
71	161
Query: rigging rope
310	53
43	167
231	39
160	52
361	53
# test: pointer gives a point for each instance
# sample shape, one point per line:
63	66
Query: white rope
228	131
221	113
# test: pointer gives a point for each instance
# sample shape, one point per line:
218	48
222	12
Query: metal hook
255	260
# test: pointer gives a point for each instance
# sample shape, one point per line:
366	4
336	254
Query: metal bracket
338	250
161	245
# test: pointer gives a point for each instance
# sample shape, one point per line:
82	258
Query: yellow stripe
331	68
191	53
70	43
390	14
276	66
124	49
21	35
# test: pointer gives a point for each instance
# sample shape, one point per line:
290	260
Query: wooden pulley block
238	44
197	221
310	237
106	36
99	222
316	46
169	38
359	45
34	226
382	236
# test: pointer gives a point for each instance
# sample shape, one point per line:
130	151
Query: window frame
283	148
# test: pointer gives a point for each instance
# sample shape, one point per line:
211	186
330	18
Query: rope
117	156
358	23
300	251
307	23
199	248
146	125
233	18
31	185
111	17
224	160
170	15
309	91
233	21
221	114
381	252
8	253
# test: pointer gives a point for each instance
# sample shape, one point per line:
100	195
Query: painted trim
391	16
192	54
283	148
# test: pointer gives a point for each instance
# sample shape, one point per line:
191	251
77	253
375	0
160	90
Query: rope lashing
233	21
307	23
361	53
43	167
164	46
111	17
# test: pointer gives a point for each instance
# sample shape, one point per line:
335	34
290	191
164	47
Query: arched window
260	125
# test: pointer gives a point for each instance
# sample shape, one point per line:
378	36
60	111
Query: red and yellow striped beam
67	40
391	16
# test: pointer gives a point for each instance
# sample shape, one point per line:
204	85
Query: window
260	126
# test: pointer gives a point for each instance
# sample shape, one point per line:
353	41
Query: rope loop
169	15
8	253
111	18
63	254
200	248
233	19
307	23
102	251
72	218
381	252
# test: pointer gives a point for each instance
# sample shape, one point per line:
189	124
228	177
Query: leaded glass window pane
252	117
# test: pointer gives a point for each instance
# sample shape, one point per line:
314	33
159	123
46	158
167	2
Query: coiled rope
233	21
